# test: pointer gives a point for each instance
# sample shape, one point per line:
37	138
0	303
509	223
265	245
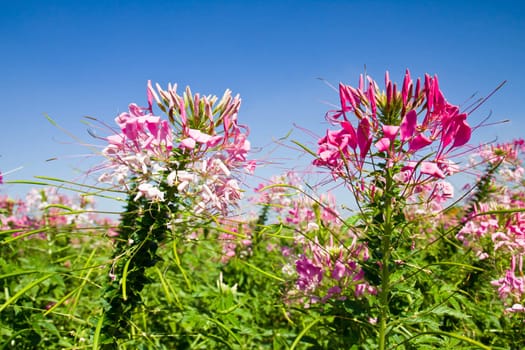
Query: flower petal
408	125
430	168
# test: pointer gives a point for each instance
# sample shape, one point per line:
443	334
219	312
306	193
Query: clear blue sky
68	59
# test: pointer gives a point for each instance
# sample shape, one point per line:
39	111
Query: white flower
312	226
288	269
216	162
150	192
171	178
105	177
224	288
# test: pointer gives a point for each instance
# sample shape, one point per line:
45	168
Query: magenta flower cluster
325	258
399	124
331	271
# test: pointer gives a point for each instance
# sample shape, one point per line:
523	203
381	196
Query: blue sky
69	59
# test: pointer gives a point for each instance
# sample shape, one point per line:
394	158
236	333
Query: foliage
412	267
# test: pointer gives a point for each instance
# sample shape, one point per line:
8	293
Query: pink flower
445	191
339	270
140	132
510	286
349	100
250	166
364	288
333	292
310	276
199	136
389	120
211	147
389	135
238	149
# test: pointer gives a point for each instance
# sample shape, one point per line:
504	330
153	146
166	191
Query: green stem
387	230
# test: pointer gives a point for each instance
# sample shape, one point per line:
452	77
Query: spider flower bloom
404	126
310	275
511	287
194	154
332	272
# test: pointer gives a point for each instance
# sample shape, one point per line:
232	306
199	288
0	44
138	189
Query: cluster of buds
193	154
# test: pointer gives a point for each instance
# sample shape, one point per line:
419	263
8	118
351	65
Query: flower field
197	260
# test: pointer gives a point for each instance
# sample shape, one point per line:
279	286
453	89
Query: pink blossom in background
331	271
310	275
37	211
511	287
504	230
236	238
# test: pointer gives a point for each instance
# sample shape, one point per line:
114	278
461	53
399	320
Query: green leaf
23	290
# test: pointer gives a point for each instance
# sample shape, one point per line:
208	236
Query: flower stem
386	233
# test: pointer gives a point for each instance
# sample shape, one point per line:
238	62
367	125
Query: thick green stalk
142	229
